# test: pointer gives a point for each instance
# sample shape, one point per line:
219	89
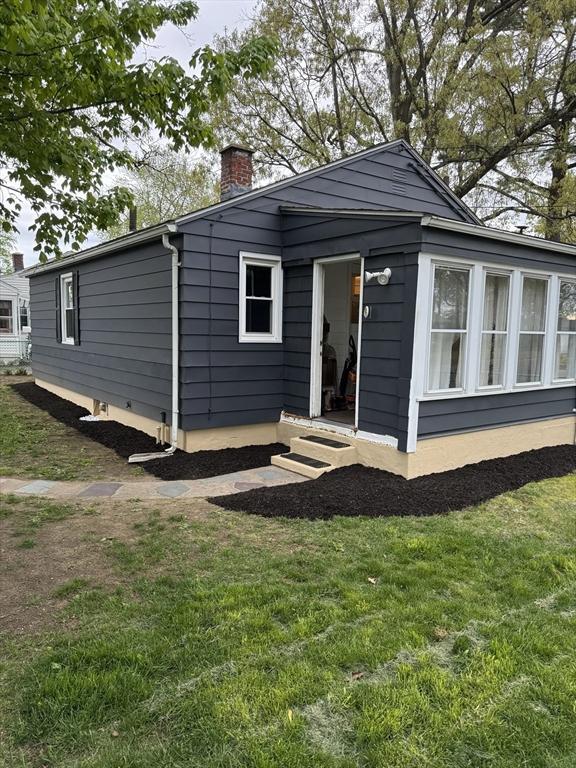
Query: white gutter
139	457
126	241
498	234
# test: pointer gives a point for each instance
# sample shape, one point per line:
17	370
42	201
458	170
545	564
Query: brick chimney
17	262
236	171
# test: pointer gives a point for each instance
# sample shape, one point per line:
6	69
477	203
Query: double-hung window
260	289
532	330
494	341
448	337
67	309
565	354
6	316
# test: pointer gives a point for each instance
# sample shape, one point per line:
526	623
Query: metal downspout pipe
140	457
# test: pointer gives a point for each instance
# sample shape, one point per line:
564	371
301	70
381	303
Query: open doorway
336	338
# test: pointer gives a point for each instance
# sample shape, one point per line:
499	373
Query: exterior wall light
383	277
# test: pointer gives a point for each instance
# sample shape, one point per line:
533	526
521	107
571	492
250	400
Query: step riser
300	469
338	457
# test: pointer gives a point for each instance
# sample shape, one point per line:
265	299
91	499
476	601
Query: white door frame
317	328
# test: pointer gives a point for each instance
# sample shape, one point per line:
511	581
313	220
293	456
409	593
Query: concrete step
302	465
326	449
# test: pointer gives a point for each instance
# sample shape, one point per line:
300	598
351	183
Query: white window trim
478	270
544	377
260	260
464	333
491	388
68	277
558	333
13	317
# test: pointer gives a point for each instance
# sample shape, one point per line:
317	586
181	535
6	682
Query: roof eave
126	241
498	234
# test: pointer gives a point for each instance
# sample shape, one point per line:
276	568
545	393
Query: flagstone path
235	482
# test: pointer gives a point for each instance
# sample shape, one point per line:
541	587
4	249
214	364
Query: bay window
493	346
448	328
565	352
532	330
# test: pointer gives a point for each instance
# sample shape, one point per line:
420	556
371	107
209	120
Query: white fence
14	348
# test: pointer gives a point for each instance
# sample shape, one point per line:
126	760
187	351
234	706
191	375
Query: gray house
359	311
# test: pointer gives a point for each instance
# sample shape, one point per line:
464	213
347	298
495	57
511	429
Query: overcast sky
215	16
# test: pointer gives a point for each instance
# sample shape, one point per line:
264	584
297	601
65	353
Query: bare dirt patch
36	567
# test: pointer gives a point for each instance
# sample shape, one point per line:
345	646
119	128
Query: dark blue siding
124	355
464	414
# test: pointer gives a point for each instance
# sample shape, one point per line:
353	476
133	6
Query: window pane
258	281
530	358
5	317
534	293
446	361
69	323
496	303
68	295
450	303
492	359
567	307
258	316
565	357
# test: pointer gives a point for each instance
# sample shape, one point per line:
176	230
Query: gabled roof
423	168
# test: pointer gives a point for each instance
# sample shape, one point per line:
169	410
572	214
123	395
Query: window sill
483	392
68	342
257	339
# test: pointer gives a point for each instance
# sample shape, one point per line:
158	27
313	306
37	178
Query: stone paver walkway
263	477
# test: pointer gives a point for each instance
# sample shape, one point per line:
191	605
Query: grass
230	641
33	444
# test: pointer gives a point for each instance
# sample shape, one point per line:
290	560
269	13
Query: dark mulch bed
358	490
125	441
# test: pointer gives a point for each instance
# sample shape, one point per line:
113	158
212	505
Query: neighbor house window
565	357
532	330
494	330
24	321
448	328
67	306
6	317
260	316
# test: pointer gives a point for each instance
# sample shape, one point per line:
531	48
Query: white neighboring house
14	313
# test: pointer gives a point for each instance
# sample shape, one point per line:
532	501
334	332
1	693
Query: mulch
356	490
125	441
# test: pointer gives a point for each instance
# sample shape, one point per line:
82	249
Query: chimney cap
241	147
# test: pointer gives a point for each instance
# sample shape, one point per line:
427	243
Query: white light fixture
382	277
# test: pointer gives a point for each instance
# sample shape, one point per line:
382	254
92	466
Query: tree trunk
559	168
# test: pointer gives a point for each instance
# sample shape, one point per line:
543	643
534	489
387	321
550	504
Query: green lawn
184	635
33	444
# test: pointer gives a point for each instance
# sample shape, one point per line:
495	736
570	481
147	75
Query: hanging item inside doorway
347	397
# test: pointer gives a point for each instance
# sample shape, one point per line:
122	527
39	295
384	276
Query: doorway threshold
322	423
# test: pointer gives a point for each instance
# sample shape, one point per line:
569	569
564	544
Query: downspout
139	457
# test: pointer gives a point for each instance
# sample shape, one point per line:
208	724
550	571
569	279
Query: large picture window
493	329
448	328
260	316
565	355
494	341
532	330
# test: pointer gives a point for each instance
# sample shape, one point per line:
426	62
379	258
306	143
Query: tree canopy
165	185
74	98
485	90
